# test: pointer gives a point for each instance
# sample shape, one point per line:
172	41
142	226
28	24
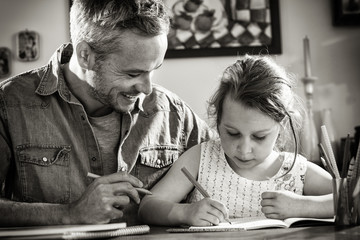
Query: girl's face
247	135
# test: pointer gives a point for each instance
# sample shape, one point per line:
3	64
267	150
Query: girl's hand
206	212
282	204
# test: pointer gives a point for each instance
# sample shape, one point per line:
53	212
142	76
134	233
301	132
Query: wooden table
328	232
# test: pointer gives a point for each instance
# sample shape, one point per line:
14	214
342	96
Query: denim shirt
48	146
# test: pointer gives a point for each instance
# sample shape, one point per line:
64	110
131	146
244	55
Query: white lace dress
240	195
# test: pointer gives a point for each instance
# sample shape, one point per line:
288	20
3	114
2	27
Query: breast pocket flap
159	157
44	155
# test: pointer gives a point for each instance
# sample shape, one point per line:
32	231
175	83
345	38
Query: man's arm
102	202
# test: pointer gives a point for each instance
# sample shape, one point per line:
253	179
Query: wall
335	54
47	17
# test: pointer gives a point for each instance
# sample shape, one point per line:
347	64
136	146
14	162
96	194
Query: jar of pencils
341	202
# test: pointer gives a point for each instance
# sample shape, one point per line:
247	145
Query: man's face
124	76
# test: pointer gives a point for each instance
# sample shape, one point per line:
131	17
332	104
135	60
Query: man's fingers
125	188
121	201
121	177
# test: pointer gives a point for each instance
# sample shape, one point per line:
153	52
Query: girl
246	171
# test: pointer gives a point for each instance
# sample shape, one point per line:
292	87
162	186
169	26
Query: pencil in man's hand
140	190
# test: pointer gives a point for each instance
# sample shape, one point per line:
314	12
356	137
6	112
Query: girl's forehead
238	115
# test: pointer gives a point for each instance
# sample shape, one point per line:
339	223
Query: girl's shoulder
288	158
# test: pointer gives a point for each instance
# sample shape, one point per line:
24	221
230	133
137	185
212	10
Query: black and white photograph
180	119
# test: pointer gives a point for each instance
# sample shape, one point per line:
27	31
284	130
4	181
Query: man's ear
85	55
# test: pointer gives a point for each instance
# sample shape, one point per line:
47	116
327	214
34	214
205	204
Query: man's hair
101	23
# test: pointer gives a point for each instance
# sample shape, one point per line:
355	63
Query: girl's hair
259	83
101	23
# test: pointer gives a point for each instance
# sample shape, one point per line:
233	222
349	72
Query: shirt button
123	169
94	159
158	162
83	117
44	159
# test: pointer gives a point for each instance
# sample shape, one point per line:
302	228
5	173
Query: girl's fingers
268	210
222	210
268	195
273	215
266	202
211	219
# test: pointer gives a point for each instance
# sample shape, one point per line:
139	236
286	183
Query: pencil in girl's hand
140	190
194	182
197	185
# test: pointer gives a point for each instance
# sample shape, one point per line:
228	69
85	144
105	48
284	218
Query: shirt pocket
154	162
44	173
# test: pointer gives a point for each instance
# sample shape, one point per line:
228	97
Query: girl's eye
233	133
260	138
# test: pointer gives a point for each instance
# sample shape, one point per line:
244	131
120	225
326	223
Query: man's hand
105	199
282	204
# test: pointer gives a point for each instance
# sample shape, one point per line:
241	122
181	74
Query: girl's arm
163	207
317	201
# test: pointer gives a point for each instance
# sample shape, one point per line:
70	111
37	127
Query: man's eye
133	75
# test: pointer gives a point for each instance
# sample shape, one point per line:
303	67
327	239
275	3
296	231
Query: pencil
330	151
197	185
140	190
330	167
346	156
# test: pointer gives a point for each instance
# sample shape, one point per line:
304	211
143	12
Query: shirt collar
53	80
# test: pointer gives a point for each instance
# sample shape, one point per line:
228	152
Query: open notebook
252	223
96	231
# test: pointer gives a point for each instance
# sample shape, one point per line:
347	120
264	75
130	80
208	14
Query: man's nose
145	85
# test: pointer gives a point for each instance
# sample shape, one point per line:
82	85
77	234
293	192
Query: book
252	223
93	231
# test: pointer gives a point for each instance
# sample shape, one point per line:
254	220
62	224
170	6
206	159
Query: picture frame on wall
201	28
5	62
346	12
28	46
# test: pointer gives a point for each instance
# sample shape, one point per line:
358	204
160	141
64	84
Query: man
93	108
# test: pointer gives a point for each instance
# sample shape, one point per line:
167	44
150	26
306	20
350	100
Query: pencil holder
341	202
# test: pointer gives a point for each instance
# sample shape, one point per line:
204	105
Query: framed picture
27	46
223	27
5	61
346	12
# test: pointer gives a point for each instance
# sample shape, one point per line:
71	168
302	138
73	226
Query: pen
140	190
197	185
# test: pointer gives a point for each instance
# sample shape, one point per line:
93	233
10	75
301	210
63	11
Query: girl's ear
85	55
